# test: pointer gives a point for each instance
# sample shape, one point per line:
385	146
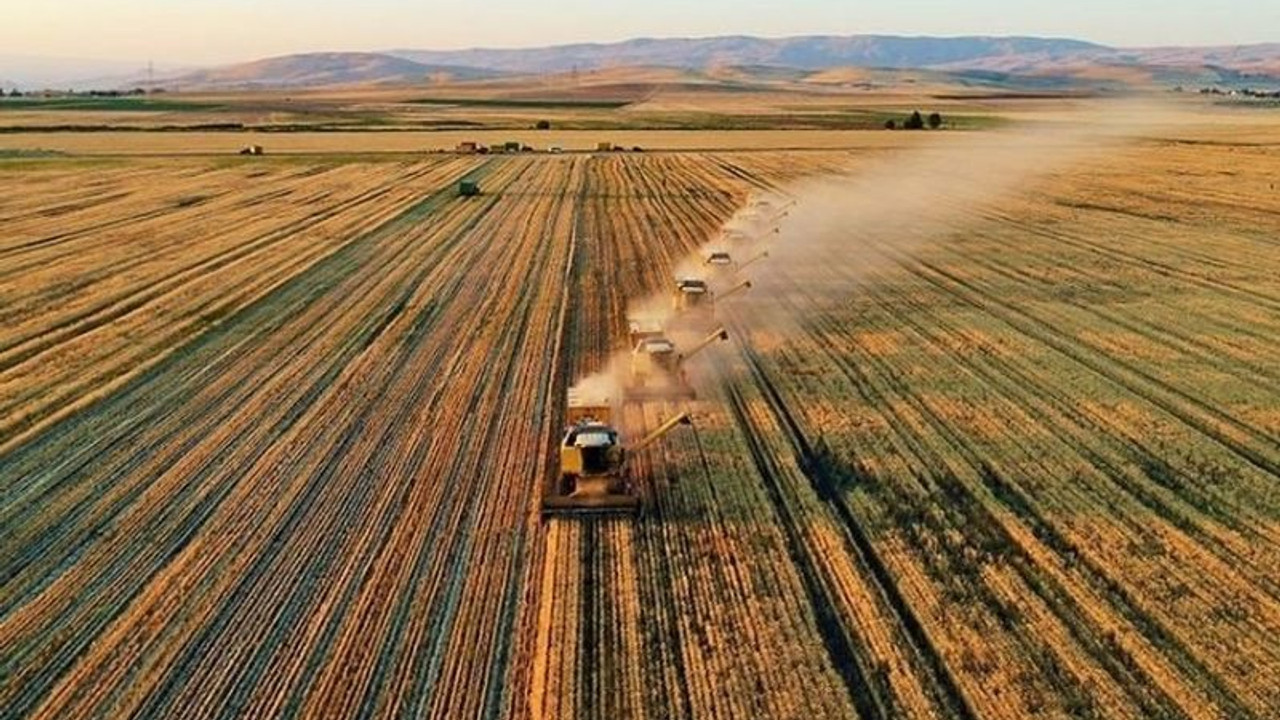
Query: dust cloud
841	229
825	238
603	387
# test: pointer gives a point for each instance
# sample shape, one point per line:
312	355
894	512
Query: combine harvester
658	371
722	262
693	304
765	207
719	264
594	478
693	295
763	216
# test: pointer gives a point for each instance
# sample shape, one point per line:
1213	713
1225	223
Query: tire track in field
137	300
371	324
334	264
1050	592
114	307
1030	393
811	465
1135	260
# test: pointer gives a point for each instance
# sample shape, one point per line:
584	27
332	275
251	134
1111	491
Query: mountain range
811	52
1030	57
336	68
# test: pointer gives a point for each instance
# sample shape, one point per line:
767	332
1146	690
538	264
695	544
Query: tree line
916	122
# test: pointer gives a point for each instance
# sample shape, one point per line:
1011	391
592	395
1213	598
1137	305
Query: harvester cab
643	328
593	477
691	294
652	359
769	207
765	216
719	259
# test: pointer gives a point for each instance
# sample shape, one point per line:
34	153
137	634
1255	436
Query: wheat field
273	433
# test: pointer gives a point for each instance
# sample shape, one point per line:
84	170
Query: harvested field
273	434
108	142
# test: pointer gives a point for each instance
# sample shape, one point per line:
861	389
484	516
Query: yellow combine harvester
693	304
693	295
658	371
594	477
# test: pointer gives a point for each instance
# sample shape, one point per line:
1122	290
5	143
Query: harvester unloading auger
751	261
744	285
658	371
693	295
594	477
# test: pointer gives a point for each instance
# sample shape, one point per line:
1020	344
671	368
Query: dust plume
842	229
826	237
603	387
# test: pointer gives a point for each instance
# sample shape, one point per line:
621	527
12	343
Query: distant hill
1050	59
321	69
37	73
1239	64
807	52
1041	62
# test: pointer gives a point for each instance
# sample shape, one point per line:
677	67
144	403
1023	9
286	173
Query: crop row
1054	433
272	438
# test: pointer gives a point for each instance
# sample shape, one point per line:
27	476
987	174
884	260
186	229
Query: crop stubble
271	437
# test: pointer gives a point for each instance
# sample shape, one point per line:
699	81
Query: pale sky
214	31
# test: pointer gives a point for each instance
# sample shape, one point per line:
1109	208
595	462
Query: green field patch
106	104
22	153
567	103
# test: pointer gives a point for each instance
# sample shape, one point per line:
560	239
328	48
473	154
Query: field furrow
274	436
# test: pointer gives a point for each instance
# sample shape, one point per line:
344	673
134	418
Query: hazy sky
204	31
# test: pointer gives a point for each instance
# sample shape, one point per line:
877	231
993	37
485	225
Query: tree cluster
916	122
134	92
